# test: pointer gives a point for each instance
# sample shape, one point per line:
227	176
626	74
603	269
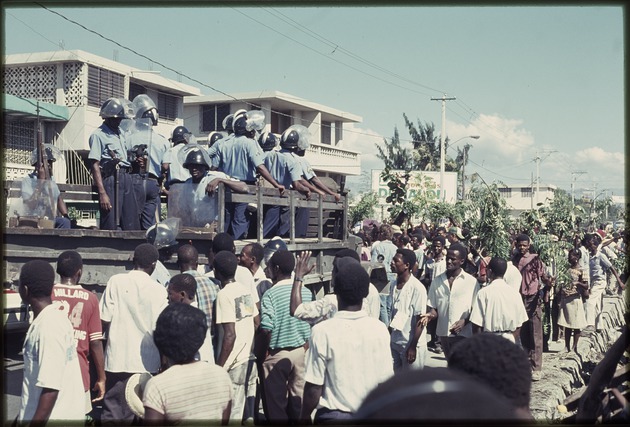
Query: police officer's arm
103	198
264	172
319	184
236	186
301	188
311	187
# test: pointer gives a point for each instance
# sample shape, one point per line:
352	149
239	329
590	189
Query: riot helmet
227	123
145	108
180	134
196	157
268	141
296	137
51	154
272	246
163	234
114	108
214	136
248	121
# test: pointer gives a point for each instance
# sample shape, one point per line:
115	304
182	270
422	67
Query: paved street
12	374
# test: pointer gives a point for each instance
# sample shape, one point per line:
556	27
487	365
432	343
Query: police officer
215	149
241	158
286	170
147	153
175	170
295	140
111	167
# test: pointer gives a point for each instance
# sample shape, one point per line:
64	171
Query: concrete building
70	87
520	198
204	114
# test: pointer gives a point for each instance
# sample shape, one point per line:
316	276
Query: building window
104	84
212	116
280	120
167	106
526	192
135	90
326	132
506	193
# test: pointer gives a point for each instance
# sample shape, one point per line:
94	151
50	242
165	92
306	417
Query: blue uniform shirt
176	170
215	150
105	140
240	157
283	167
159	145
307	170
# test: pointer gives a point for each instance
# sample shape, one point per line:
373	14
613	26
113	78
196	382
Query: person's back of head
346	252
385	232
434	395
498	266
284	260
498	363
184	283
223	242
225	263
39	277
351	282
69	263
180	331
187	255
145	256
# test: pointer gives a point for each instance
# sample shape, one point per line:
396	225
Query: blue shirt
307	169
104	142
283	167
159	146
215	150
240	157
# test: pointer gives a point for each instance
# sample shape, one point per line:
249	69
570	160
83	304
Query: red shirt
83	312
532	270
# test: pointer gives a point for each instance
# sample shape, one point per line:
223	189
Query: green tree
394	155
364	209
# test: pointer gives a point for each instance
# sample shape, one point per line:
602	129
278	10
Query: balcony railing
328	158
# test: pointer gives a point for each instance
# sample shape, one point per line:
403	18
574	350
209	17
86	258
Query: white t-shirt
132	303
235	304
349	355
513	277
51	361
195	391
242	276
453	304
324	308
408	304
498	307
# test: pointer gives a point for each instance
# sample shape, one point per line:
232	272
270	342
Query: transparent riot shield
37	199
190	203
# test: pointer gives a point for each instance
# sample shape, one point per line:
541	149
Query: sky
532	81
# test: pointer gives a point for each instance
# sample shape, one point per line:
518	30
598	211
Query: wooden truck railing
107	252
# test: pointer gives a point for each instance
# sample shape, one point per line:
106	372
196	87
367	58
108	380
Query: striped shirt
286	330
194	391
207	291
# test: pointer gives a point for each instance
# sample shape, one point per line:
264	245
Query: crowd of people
132	166
242	340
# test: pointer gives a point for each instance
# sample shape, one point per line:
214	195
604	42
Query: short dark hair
498	266
284	260
223	242
225	263
69	263
522	238
351	282
184	282
463	252
346	252
39	277
439	238
576	252
257	252
145	254
180	331
411	395
187	254
408	256
498	363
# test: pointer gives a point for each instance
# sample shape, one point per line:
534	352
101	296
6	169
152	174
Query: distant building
521	198
204	114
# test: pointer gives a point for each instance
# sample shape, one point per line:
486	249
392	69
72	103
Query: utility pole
464	173
574	175
531	197
442	137
538	159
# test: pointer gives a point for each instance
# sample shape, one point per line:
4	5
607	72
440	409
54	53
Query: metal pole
464	175
537	176
442	137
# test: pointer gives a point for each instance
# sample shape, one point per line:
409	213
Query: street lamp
463	164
